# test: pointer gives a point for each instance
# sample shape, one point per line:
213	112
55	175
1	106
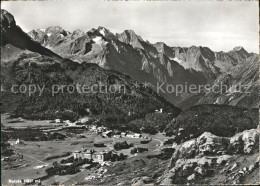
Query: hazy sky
220	25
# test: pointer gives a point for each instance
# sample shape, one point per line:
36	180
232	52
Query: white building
17	141
57	120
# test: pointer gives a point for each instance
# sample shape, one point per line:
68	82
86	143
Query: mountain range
145	62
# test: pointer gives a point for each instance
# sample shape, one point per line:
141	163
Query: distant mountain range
130	54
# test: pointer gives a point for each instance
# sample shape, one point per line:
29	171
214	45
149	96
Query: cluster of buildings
112	133
94	155
118	134
104	131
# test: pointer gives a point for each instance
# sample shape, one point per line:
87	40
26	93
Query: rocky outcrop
245	142
199	158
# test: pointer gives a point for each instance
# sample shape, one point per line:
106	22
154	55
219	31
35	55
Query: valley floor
36	158
32	158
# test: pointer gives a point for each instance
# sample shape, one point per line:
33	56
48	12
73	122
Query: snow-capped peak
238	48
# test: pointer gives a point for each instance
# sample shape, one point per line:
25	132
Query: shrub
138	150
122	145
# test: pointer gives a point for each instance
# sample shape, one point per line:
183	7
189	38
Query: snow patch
102	31
99	40
176	59
49	34
42	29
61	35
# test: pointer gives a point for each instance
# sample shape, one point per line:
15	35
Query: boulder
210	144
235	165
191	177
205	162
245	142
201	171
222	160
251	168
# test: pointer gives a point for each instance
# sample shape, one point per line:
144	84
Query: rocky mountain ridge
130	54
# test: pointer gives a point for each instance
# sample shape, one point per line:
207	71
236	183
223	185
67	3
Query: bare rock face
7	19
199	158
210	144
205	144
130	37
245	142
13	38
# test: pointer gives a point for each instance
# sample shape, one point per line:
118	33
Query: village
85	147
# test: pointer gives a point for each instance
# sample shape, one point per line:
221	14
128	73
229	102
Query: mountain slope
14	40
238	87
206	118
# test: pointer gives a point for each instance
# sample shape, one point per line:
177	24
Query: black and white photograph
130	92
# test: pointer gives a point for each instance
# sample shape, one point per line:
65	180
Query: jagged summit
239	53
78	32
132	32
130	37
14	36
238	48
106	32
160	43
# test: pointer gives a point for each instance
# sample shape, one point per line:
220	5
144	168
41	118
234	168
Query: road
161	144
